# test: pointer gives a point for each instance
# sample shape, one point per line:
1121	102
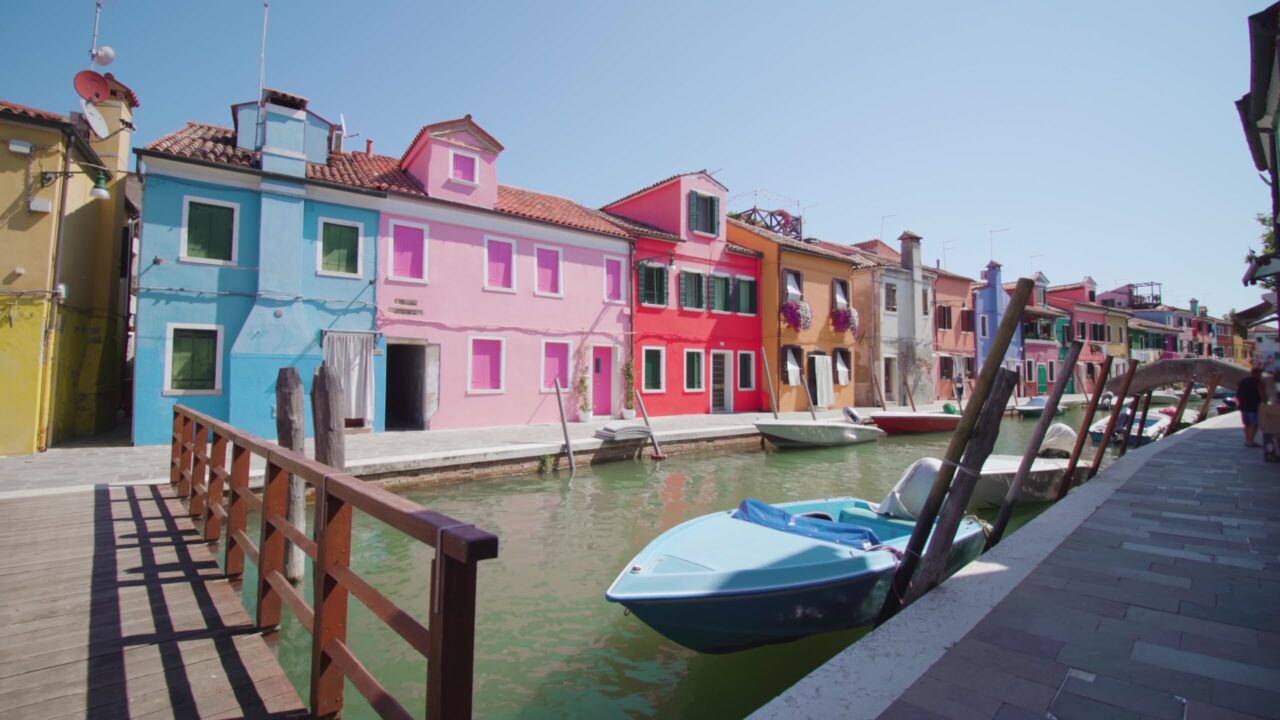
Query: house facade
990	303
1117	332
1041	339
1175	317
1150	341
65	234
804	361
696	324
1089	324
954	346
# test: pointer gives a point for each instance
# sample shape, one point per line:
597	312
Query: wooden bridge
113	603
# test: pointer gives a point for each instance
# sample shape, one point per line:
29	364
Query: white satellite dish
97	123
103	55
342	122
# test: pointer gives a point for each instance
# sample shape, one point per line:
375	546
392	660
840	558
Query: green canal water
548	645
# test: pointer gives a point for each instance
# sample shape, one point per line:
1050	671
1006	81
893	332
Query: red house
695	304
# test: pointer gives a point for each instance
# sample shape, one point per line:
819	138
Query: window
746	370
1030	372
839	294
890	297
613	274
1092	296
464	167
1053	367
793	286
210	230
966	320
408	252
924	302
969	364
946	367
499	265
841	365
693	370
193	361
943	317
746	295
1080	332
704	213
655	374
982	326
486	365
339	248
1108	333
555	364
1042	296
547	271
692	290
653	284
721	286
792	358
1096	332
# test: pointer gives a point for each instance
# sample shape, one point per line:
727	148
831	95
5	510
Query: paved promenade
1151	592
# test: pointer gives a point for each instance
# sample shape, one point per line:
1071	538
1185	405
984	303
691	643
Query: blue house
990	301
252	259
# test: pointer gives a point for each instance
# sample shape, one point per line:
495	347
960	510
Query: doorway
721	397
1042	379
350	354
890	379
602	380
406	387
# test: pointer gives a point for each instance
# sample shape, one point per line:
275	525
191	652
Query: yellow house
817	358
65	229
1117	335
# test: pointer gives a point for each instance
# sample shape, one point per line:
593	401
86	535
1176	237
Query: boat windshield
762	513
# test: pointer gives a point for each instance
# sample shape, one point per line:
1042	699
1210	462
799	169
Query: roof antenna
262	78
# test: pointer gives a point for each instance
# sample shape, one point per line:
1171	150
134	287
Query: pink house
488	294
1040	339
1088	323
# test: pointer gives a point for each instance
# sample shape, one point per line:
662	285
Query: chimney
910	249
1195	306
368	147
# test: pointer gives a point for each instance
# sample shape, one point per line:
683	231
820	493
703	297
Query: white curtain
822	376
351	355
841	300
793	286
793	368
842	370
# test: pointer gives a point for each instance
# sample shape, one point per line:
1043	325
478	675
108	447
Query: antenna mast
262	75
93	47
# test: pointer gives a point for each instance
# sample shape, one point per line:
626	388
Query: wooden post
237	511
564	425
175	447
657	451
875	383
911	395
187	435
985	431
768	378
805	382
290	431
328	403
217	468
1083	435
955	449
333	550
1182	406
1033	447
453	633
1133	417
1208	399
199	471
271	546
1111	421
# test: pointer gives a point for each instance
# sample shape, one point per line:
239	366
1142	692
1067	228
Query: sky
1099	137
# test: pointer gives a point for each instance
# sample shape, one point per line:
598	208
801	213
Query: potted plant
628	391
583	391
844	319
797	314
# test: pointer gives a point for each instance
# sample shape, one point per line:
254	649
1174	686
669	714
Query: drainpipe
777	342
44	431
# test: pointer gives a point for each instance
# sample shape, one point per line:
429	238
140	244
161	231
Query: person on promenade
1249	397
959	387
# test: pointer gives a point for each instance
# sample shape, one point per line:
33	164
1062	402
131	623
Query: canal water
548	645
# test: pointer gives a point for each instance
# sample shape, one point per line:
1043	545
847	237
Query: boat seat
762	513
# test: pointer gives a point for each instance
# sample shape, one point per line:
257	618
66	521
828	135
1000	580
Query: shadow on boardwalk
112	607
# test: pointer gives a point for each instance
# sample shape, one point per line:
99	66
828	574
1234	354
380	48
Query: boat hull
784	433
897	423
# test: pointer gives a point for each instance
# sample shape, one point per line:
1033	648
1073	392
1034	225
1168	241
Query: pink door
601	381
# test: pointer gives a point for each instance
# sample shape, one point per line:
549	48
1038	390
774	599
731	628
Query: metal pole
564	425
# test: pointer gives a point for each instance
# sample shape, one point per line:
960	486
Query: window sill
539	293
509	291
343	275
721	312
694	391
206	261
409	280
693	309
659	391
607	301
750	389
471	391
460	181
742	314
704	234
651	305
181	393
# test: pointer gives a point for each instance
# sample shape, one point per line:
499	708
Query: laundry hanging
842	370
822	380
793	368
351	355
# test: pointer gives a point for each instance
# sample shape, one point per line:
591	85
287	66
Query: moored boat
915	422
1155	428
1034	407
764	573
816	433
1164	397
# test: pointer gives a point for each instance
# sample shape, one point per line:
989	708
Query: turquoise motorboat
764	573
1034	407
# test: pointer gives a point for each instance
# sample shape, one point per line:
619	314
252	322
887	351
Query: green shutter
693	371
693	210
209	229
660	279
684	289
194	363
339	249
715	215
642	275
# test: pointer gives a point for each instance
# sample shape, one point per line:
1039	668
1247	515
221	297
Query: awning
1264	311
1261	267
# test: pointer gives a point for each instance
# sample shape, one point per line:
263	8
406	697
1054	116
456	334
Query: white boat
1034	407
817	433
1164	397
1156	427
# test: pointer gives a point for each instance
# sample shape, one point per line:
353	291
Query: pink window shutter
486	364
500	261
464	168
613	279
548	271
555	365
408	252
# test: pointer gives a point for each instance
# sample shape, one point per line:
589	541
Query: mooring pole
1142	423
1182	406
1033	447
1069	475
1208	399
805	382
768	383
291	428
875	383
564	425
1111	421
657	451
893	601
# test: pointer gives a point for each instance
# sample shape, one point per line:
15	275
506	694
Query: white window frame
235	231
662	368
755	288
983	326
738	370
502	365
896	298
707	292
460	181
786	288
559	270
391	248
604	279
359	226
717	223
666	279
684	369
542	364
706	296
835	366
485	267
844	285
168	359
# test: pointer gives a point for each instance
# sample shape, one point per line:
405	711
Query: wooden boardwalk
112	607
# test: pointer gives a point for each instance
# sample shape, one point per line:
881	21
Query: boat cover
1059	441
762	513
907	497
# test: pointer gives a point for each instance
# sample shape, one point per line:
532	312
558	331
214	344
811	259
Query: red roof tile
209	143
464	122
800	246
124	91
284	99
30	112
554	209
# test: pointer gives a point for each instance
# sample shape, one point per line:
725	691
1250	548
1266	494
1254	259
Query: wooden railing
201	473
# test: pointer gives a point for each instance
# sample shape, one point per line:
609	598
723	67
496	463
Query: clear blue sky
1101	133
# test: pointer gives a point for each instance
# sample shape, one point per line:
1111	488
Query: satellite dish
91	86
342	122
97	123
104	55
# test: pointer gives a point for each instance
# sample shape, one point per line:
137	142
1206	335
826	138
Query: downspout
44	430
777	326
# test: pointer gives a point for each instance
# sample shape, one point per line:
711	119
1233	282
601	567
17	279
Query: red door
602	381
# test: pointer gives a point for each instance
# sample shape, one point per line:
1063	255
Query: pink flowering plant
797	314
844	319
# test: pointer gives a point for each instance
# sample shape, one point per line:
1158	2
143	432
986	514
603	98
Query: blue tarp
762	513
